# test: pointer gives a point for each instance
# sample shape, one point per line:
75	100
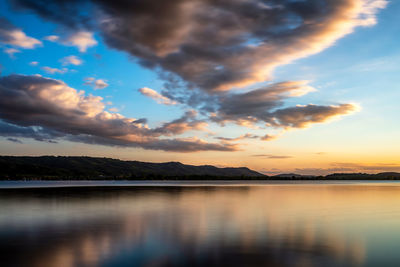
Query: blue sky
346	120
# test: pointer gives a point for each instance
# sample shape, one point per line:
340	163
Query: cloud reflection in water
280	225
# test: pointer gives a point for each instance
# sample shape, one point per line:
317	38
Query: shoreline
15	184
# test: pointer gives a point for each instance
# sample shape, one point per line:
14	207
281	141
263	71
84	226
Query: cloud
159	98
38	107
187	122
244	136
257	104
205	49
81	39
34	63
303	116
52	38
36	132
268	137
14	140
54	70
270	156
71	60
11	52
217	45
262	105
11	35
100	84
96	83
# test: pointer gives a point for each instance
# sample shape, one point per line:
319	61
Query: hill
293	175
90	168
51	167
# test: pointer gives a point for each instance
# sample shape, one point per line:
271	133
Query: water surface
200	224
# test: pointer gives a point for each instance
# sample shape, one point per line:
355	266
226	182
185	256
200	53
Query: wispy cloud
52	38
159	98
14	140
239	138
71	60
96	83
270	156
113	109
11	52
54	70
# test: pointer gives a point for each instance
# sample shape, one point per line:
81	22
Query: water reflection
280	225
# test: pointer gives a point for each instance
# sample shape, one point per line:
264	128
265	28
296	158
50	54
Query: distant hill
90	168
292	175
364	176
51	167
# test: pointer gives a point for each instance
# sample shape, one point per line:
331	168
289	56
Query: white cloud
11	51
11	35
54	70
100	84
51	38
156	96
34	63
71	60
82	39
97	84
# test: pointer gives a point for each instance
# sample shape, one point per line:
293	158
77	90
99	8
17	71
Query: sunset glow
308	87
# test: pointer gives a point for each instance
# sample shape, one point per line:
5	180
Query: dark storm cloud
213	44
47	109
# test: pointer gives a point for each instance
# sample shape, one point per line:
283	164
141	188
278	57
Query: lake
199	223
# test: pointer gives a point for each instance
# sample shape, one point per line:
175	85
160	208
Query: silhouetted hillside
88	168
364	176
50	167
293	175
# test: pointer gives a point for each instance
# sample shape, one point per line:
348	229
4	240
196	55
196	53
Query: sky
279	86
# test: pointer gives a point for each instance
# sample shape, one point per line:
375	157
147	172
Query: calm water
300	224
